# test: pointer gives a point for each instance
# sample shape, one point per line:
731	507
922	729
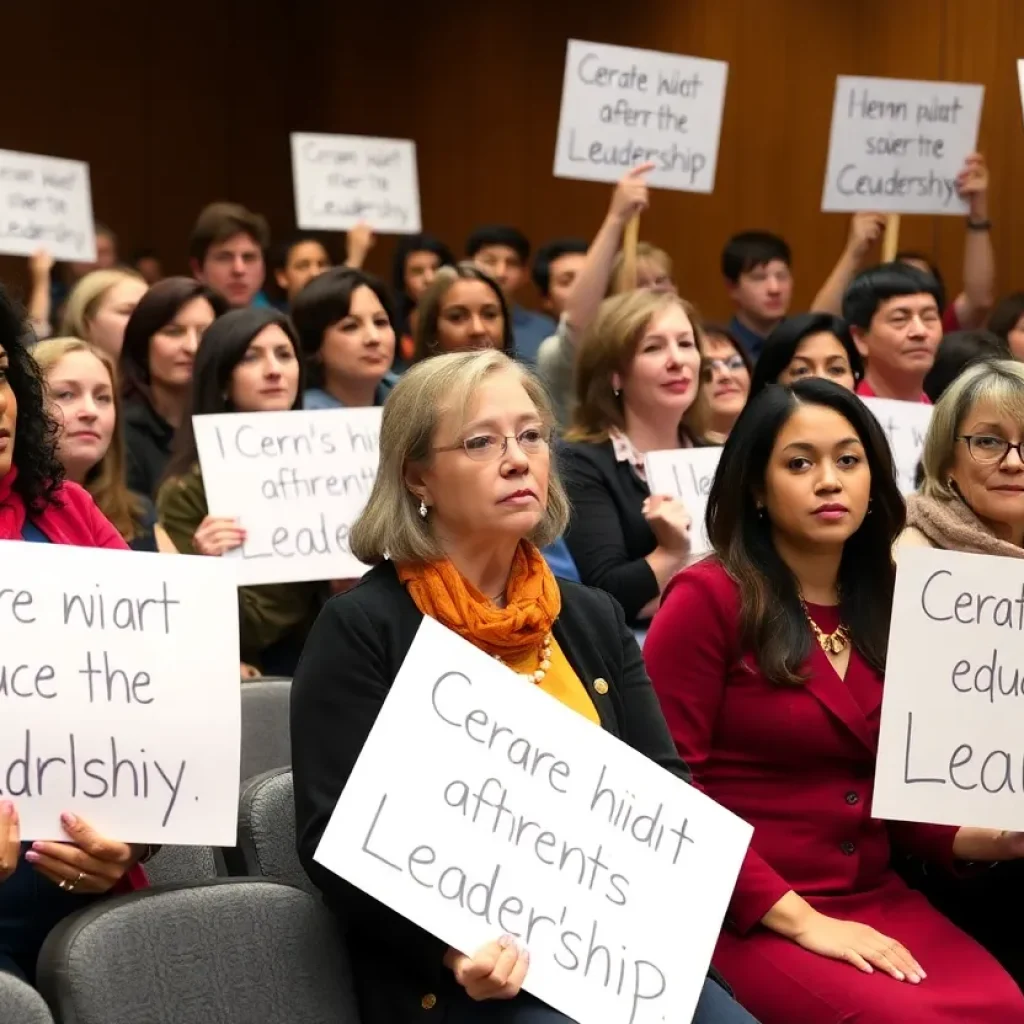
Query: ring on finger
70	886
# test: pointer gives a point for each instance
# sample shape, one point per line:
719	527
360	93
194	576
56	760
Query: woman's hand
10	839
40	266
496	971
631	196
88	864
858	945
670	521
250	671
217	535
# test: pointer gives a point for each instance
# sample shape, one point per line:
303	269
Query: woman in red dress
768	659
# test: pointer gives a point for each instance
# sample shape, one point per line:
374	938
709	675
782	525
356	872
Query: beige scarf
952	526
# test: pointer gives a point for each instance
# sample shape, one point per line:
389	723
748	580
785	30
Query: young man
504	253
756	267
555	269
893	313
226	252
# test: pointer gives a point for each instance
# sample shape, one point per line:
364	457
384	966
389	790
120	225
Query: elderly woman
465	491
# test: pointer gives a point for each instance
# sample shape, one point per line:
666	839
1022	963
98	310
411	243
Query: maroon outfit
797	763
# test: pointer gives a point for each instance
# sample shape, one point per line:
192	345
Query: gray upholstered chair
230	951
183	865
20	1003
266	741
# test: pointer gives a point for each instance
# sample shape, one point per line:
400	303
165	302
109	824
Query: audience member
147	263
417	259
725	373
556	266
638	376
1007	321
504	254
893	313
226	251
769	661
99	306
465	490
160	345
757	267
249	362
343	320
956	352
809	345
296	261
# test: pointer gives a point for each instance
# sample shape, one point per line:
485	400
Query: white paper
45	203
951	749
468	725
341	180
296	482
119	657
687	474
906	426
897	145
1020	80
622	107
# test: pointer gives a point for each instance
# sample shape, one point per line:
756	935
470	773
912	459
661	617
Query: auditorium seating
20	1003
183	865
266	742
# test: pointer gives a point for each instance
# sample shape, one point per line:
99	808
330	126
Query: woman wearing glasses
725	373
465	493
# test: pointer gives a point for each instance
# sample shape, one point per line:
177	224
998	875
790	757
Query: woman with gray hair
466	492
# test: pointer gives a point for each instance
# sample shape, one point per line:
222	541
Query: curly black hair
40	474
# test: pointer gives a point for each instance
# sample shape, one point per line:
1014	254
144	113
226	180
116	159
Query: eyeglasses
487	447
731	365
986	449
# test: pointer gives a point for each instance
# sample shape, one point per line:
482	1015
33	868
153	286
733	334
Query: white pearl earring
423	509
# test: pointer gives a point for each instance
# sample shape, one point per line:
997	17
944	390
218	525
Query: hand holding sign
865	230
10	839
217	535
88	865
497	971
668	519
631	196
972	184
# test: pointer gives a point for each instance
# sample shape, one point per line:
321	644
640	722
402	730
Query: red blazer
796	762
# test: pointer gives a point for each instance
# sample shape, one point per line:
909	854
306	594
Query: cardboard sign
687	474
951	748
120	697
906	426
897	145
296	481
623	107
341	180
45	203
523	817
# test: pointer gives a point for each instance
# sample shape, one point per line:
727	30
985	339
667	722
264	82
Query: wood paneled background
174	104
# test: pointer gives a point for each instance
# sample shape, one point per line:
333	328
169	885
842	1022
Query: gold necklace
542	669
831	643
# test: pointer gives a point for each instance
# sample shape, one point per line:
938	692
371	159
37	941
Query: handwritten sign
686	474
906	426
45	203
341	180
296	481
524	818
897	145
119	698
1020	81
951	748
622	107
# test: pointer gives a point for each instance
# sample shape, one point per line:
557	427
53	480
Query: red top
79	523
865	390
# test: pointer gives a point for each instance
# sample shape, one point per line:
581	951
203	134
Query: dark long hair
40	472
224	346
772	621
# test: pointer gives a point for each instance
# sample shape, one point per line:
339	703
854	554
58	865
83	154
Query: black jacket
148	438
351	659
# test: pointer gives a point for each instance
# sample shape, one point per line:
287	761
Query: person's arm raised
974	302
865	230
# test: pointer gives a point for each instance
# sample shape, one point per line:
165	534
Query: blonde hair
607	347
106	480
645	253
87	296
999	382
390	526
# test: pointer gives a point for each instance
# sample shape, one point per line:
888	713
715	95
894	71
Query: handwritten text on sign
341	180
906	426
897	146
45	203
951	749
119	699
525	818
687	474
296	481
622	107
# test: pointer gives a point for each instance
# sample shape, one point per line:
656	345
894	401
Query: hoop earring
423	509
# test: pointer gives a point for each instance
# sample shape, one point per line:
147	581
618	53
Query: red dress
797	763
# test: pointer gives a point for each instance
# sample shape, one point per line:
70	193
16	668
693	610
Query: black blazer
148	438
351	658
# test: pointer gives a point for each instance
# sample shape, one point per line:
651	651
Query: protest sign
1020	81
45	203
522	817
296	481
120	698
951	748
341	180
906	426
898	145
622	107
687	474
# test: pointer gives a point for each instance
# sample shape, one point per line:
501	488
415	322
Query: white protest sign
1020	81
296	481
341	180
898	145
687	474
951	748
45	203
906	426
523	817
119	698
622	107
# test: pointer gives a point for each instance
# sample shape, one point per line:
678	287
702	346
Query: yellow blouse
560	681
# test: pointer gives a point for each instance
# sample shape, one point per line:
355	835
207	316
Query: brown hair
645	253
220	221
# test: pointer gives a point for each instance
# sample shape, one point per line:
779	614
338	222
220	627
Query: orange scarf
533	602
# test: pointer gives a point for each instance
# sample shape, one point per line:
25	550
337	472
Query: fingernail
914	979
7	807
505	941
32	857
899	976
870	969
69	819
37	846
922	973
526	955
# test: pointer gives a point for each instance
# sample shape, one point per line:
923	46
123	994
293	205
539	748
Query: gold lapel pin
600	686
